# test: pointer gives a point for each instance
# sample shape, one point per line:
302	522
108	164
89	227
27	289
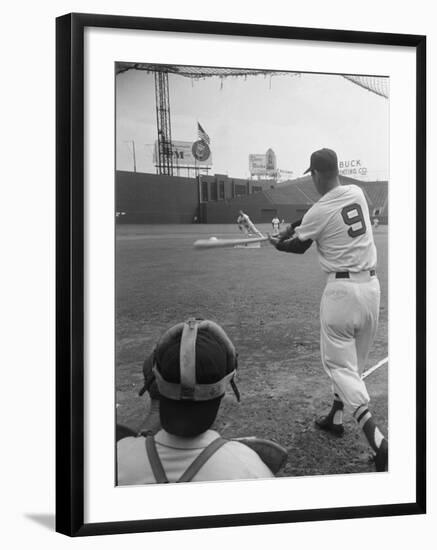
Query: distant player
375	223
276	225
246	226
339	223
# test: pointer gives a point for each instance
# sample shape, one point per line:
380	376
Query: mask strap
235	388
187	358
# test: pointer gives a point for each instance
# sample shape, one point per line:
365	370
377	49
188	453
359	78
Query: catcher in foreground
192	365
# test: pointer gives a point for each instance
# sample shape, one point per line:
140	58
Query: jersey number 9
352	214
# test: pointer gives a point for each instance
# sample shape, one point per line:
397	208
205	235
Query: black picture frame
70	272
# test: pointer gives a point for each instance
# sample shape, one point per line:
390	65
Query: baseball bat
203	244
374	368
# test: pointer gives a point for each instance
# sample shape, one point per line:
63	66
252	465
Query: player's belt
346	274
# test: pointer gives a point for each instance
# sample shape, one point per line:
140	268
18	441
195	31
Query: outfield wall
257	206
151	198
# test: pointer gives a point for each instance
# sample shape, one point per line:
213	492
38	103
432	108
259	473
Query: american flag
203	136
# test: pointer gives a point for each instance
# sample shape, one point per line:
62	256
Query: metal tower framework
164	153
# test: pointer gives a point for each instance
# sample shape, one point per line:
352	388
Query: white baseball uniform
275	225
339	223
245	224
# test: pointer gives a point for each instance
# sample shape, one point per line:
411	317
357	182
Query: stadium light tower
164	152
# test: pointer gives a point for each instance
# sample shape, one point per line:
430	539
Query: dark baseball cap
215	365
323	160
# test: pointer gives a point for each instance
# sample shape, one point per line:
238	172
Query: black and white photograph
251	273
218	256
240	297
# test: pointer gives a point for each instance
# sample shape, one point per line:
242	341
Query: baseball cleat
325	423
381	457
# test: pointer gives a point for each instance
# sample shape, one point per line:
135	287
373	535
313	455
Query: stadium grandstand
376	192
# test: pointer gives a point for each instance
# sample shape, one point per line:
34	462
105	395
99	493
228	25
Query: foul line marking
372	369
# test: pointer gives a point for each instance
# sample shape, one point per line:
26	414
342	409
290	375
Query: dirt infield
268	303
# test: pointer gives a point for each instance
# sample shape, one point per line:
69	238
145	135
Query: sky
292	114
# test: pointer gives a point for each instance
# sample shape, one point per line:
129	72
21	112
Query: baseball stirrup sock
370	429
336	412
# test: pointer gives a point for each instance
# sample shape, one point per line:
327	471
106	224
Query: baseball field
268	304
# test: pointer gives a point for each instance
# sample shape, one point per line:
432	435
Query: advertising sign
201	151
257	164
270	161
183	154
263	165
351	168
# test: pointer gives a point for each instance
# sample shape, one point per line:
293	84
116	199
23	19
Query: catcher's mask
204	356
192	363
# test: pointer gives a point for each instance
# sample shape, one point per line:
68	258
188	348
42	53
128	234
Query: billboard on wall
270	161
263	164
257	164
183	154
352	168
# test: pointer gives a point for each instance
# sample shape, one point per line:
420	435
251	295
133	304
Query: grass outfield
268	303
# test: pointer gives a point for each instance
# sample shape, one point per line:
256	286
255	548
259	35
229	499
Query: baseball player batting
339	223
246	226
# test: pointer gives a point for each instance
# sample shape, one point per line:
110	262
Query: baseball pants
349	313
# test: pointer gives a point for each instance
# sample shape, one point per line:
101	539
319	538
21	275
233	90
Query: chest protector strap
193	468
155	461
